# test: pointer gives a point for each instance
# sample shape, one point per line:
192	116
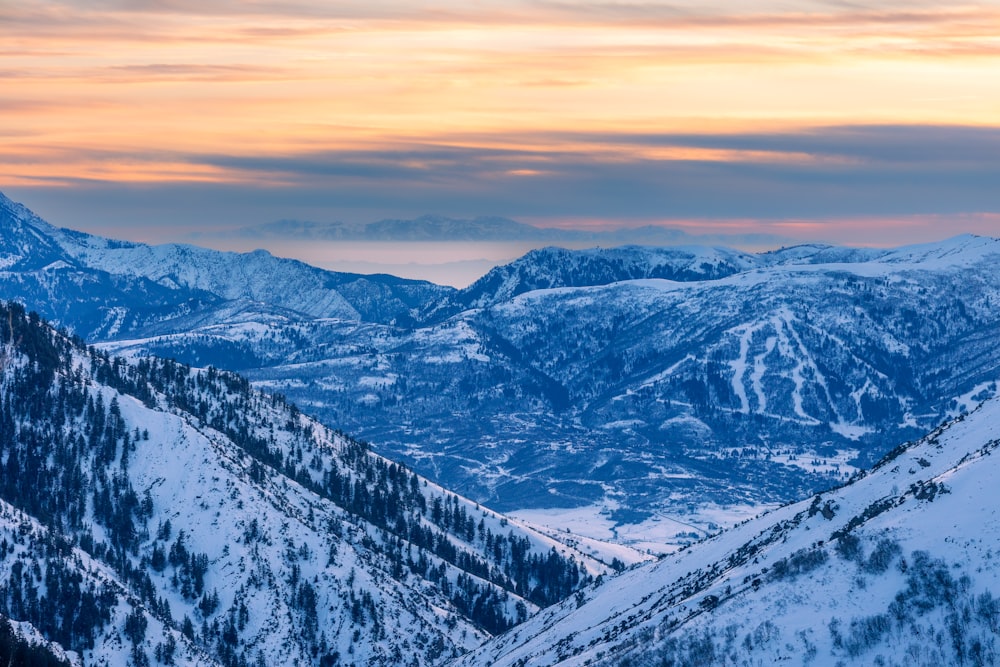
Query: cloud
880	170
191	72
682	14
627	110
935	146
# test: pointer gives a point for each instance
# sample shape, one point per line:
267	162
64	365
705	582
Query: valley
896	567
222	525
605	457
693	384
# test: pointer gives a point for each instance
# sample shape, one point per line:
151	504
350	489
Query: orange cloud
262	79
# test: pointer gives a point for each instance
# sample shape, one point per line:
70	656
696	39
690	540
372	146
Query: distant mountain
743	380
151	512
486	229
897	567
550	268
685	387
424	228
102	288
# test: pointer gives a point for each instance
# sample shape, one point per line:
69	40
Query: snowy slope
22	643
228	516
557	267
142	285
679	403
35	557
659	393
254	276
897	567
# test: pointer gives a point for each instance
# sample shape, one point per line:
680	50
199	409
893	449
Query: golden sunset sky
850	121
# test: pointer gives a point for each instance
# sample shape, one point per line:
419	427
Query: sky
850	122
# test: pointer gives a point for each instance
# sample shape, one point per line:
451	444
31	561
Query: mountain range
155	512
151	510
481	229
686	387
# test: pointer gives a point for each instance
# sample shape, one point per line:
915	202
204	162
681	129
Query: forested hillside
170	513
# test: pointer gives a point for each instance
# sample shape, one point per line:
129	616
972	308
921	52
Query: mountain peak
15	211
133	286
963	249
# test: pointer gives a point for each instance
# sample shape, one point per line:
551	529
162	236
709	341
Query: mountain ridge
856	573
669	388
482	229
235	525
135	489
181	274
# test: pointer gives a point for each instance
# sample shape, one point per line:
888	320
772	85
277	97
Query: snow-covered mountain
103	288
149	510
745	380
556	267
897	567
676	388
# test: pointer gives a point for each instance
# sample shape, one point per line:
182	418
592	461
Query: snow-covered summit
141	285
554	267
254	276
